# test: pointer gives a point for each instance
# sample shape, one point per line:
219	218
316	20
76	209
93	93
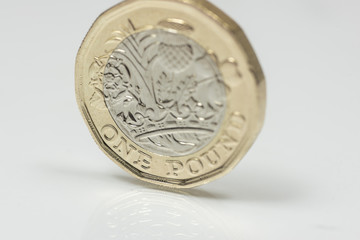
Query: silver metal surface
165	92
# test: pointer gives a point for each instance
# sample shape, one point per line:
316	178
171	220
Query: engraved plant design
163	90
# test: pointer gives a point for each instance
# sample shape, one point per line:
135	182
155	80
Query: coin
171	90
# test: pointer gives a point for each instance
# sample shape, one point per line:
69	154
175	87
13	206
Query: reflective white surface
299	181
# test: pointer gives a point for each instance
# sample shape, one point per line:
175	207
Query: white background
299	181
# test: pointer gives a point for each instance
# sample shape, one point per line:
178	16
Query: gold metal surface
229	47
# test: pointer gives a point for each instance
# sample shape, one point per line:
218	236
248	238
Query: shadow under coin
194	192
154	214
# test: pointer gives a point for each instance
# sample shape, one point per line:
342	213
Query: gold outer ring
225	42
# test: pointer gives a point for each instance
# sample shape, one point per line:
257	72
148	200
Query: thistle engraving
165	92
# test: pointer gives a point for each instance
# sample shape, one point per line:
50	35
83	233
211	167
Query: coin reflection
152	214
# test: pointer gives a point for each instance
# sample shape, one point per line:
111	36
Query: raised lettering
175	167
126	151
109	132
195	165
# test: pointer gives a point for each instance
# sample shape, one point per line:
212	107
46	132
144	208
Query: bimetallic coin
171	90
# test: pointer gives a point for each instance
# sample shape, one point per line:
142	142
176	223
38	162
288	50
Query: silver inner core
165	92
